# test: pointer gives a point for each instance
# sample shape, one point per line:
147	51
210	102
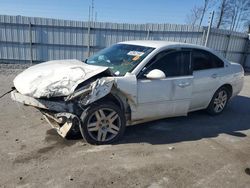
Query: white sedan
126	84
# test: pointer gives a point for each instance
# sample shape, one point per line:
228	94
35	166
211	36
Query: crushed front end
64	114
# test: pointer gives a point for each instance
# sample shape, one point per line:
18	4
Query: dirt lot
194	151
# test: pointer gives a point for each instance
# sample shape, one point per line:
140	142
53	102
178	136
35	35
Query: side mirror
156	74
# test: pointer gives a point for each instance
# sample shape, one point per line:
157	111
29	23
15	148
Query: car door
207	71
169	96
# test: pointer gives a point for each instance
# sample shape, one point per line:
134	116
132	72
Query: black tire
211	109
90	113
74	133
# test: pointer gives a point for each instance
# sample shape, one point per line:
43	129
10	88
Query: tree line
233	15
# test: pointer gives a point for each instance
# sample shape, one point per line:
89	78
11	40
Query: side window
171	63
204	60
201	60
186	63
218	63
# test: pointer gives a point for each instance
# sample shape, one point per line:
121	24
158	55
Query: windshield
120	58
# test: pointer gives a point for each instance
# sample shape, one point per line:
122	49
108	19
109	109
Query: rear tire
219	101
102	123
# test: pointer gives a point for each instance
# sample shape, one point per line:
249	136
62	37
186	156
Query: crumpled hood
54	78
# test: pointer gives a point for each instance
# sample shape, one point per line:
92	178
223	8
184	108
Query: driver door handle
184	84
214	75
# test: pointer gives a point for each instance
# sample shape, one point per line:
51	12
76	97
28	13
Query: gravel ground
194	151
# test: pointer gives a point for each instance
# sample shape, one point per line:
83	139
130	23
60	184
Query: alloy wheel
220	101
104	124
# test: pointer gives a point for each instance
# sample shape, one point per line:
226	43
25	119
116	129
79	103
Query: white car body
146	99
178	101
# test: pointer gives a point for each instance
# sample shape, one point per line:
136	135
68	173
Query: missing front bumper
58	114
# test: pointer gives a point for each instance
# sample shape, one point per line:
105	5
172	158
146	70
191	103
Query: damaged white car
126	84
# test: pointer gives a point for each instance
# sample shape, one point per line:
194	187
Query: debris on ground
171	147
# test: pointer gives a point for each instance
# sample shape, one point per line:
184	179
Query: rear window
203	60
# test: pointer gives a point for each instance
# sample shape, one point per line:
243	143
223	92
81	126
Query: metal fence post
203	36
30	40
89	38
148	32
228	43
209	27
245	53
89	22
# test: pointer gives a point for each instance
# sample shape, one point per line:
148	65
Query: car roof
158	44
161	44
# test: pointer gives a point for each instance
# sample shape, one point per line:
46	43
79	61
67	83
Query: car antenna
12	89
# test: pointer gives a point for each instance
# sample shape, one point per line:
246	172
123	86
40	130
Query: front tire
219	101
102	123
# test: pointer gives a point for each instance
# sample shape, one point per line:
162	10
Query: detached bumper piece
64	123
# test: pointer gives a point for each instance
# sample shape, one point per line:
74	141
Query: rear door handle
184	84
214	75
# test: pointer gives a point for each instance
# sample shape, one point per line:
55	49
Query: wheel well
115	100
229	88
119	102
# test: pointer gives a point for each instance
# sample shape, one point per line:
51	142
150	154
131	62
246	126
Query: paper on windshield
135	53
